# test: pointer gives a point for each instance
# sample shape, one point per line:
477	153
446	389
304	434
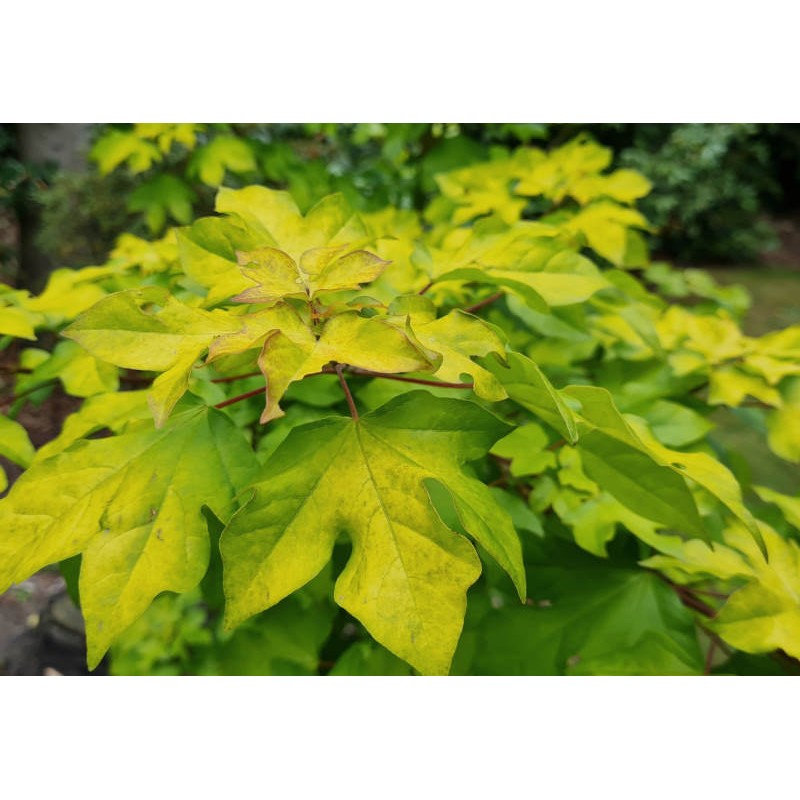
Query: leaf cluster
472	440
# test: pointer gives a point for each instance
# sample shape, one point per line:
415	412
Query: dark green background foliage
714	184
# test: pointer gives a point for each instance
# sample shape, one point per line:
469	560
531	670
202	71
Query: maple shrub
473	439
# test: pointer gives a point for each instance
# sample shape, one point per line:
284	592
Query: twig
368	373
425	288
695	603
353	410
240	397
485	302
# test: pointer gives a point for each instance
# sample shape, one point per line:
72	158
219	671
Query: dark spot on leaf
678	465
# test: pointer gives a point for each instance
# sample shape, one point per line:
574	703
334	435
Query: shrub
472	441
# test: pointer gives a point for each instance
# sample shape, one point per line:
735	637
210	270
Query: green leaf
112	411
675	425
730	386
605	226
15	445
783	425
148	329
68	292
647	488
162	196
614	451
764	614
164	639
708	473
118	147
168	133
255	328
81	374
260	220
172	384
790	506
322	269
284	641
131	504
624	185
368	658
773	369
457	337
407	577
527	385
276	221
554	288
367	343
224	153
17	322
594	522
522	515
208	255
526	446
586	617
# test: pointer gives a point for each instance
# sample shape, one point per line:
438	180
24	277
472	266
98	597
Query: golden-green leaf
367	343
407	577
131	504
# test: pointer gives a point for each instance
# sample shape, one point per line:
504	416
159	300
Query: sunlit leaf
407	577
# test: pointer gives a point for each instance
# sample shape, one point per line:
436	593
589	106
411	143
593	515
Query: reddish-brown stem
368	373
233	378
559	443
690	601
240	397
353	410
485	302
425	288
